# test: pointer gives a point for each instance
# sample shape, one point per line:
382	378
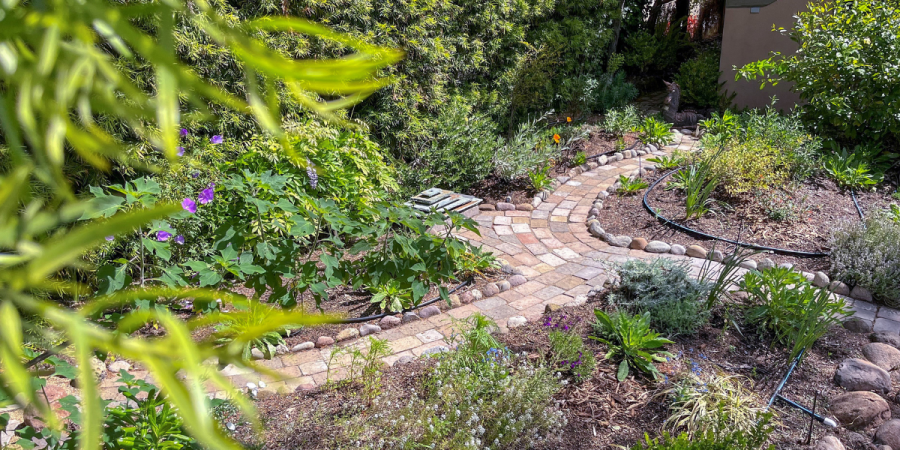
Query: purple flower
217	139
195	174
180	151
207	194
311	173
163	236
110	238
189	205
184	132
179	239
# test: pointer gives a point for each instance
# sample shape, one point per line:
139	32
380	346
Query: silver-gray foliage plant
867	254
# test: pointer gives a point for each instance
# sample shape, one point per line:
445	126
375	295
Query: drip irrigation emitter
777	396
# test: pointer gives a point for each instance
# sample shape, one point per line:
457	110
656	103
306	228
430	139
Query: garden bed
494	189
817	205
601	412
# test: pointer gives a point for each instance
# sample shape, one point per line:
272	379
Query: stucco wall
748	37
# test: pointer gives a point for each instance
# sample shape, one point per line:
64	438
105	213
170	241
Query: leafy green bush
540	178
845	72
699	80
705	403
666	291
43	242
658	50
619	121
144	421
757	150
458	151
850	170
527	149
667	162
725	439
608	91
865	254
655	132
785	304
630	340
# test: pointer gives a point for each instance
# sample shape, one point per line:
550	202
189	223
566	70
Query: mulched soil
602	413
493	189
822	206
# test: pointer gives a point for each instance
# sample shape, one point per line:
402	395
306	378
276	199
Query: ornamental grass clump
702	403
866	254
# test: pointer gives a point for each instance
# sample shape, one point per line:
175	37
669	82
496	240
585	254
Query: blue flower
180	151
217	139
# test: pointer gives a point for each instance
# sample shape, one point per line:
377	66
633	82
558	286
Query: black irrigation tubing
856	203
420	305
779	251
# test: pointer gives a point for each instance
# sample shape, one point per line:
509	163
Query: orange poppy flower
556	138
568	119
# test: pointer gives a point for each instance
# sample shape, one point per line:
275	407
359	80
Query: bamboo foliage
58	76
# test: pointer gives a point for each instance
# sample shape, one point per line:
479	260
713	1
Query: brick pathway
550	246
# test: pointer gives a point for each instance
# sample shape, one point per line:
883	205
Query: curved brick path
549	245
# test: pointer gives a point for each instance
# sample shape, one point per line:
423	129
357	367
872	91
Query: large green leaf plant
58	77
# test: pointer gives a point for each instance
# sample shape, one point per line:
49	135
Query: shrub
845	72
457	152
540	178
526	150
758	150
659	50
666	291
698	184
364	367
619	121
699	80
701	404
630	340
754	439
145	420
866	254
667	162
608	91
476	397
785	304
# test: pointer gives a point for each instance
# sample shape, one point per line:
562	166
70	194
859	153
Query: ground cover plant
862	256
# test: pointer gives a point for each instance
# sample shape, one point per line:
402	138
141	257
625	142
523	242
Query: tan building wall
748	37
